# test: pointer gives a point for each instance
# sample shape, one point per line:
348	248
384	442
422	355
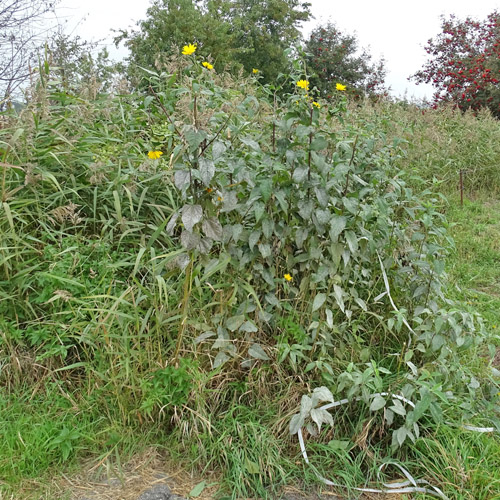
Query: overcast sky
394	29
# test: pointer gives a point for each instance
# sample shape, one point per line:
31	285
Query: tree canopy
236	34
335	57
464	63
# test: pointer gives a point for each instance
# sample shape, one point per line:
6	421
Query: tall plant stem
184	305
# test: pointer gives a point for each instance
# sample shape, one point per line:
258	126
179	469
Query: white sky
394	29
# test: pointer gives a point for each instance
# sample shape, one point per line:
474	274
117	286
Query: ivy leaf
205	245
248	327
191	215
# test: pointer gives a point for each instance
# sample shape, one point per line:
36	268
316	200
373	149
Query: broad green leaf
352	241
220	359
321	417
207	170
191	215
197	490
377	403
318	301
251	467
212	228
218	149
234	322
339	297
318	143
266	189
337	225
249	327
257	352
190	240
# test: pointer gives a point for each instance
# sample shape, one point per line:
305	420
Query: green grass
474	265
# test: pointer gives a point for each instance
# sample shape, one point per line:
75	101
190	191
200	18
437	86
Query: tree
334	57
77	64
464	64
234	33
264	29
21	29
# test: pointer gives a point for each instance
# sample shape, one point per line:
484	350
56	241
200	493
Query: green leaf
191	215
251	467
197	490
352	241
250	143
194	138
234	322
207	170
212	228
218	149
337	225
257	352
377	403
319	143
266	189
190	240
318	301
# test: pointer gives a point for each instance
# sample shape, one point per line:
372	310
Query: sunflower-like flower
187	50
303	84
207	65
155	155
255	71
340	87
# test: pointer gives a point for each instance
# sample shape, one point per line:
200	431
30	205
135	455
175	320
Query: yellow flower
154	155
303	84
207	65
187	50
255	71
317	104
288	277
339	86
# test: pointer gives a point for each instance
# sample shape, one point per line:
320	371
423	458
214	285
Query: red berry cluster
465	64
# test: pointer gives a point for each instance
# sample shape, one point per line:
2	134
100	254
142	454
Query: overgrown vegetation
271	245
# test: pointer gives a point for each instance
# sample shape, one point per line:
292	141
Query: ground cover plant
203	264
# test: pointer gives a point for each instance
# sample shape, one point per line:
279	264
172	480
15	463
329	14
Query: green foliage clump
268	245
334	57
248	34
